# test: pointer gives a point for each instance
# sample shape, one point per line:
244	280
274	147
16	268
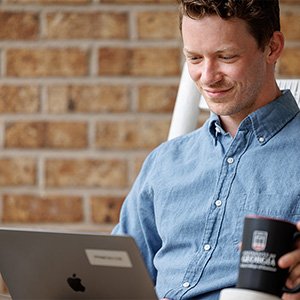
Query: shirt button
261	139
218	129
218	203
207	247
230	160
186	284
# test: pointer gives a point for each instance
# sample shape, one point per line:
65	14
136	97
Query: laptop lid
39	264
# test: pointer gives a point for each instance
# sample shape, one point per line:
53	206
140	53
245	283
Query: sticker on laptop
109	258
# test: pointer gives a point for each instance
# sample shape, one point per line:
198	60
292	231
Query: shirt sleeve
137	217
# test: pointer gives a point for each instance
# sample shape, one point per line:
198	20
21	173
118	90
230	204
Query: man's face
226	64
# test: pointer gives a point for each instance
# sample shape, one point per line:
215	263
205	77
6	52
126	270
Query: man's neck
231	123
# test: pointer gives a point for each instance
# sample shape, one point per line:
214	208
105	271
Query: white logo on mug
259	240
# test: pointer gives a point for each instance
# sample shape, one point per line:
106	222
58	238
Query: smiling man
232	73
187	206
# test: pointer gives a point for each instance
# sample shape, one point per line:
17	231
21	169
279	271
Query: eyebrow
188	51
225	49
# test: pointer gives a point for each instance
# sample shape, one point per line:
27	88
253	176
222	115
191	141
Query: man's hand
291	260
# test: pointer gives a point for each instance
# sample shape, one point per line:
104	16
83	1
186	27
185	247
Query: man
187	206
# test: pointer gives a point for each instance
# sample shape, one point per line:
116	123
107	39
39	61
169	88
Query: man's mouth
216	93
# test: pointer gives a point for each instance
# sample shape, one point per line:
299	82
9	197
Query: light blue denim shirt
187	206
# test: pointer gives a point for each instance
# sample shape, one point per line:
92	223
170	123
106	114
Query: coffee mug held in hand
264	241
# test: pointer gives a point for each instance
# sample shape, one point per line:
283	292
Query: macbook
39	264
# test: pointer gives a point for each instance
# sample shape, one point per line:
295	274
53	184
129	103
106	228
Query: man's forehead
224	34
212	26
216	19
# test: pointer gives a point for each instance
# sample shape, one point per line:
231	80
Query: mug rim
268	218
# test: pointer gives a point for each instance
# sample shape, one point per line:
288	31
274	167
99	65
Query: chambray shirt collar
266	121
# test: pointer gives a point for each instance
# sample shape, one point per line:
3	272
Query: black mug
264	241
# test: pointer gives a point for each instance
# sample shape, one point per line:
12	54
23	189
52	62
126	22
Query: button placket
232	153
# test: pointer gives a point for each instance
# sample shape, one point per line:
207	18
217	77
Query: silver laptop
38	264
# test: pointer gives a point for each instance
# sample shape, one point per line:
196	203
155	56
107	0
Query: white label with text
109	258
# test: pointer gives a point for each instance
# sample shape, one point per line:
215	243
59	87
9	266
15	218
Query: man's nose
210	73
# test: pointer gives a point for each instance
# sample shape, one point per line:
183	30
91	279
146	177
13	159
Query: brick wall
86	91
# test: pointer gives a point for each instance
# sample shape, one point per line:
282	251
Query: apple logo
75	284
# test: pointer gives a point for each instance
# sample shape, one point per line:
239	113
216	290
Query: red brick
157	99
46	135
107	173
131	135
290	25
106	209
92	99
46	62
97	25
3	287
19	171
289	62
34	209
62	2
19	99
158	25
19	26
138	1
139	61
289	1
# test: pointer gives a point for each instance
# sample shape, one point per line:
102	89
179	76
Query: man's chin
219	108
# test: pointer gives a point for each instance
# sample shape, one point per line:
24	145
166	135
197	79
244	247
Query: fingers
294	275
290	259
286	296
298	225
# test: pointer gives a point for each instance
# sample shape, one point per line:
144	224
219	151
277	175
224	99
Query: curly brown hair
262	16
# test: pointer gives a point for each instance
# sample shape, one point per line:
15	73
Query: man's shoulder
182	148
185	141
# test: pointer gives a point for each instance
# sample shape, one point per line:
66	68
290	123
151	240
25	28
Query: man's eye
228	58
194	59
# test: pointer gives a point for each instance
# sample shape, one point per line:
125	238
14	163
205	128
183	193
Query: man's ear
275	47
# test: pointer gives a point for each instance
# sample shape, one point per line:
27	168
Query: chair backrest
189	102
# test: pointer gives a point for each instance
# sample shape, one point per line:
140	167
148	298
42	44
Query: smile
214	93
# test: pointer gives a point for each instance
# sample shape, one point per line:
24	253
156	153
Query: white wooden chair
189	102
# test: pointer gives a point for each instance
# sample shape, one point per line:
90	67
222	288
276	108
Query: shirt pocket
283	207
